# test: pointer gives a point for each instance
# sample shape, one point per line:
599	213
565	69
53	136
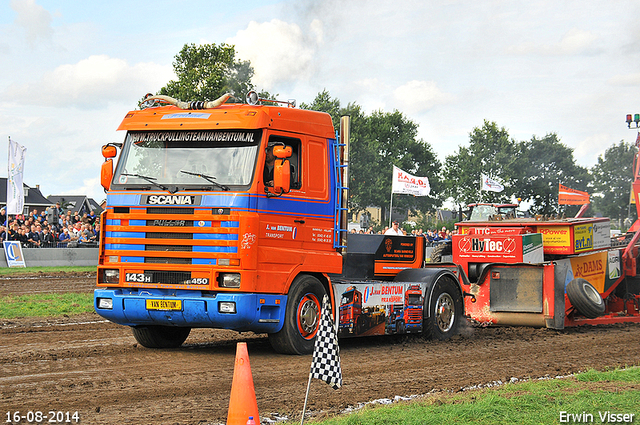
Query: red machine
553	273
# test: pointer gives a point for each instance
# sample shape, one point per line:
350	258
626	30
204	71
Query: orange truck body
194	235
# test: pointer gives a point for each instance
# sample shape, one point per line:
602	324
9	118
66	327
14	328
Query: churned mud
85	364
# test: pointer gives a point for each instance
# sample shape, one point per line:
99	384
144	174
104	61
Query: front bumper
254	312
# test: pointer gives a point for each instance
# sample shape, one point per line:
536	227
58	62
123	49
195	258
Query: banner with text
15	191
491	185
403	182
567	196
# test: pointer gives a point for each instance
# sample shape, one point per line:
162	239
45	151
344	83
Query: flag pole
391	208
6	201
306	397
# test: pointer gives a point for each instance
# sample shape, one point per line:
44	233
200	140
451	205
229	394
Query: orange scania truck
233	216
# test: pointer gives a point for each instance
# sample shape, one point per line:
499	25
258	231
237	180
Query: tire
160	336
444	248
444	308
585	297
302	317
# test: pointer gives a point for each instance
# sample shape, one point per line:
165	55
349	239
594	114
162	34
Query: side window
294	160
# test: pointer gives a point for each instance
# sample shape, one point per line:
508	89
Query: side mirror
282	175
282	152
106	173
109	151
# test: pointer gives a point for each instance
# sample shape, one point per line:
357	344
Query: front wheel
302	317
160	336
445	310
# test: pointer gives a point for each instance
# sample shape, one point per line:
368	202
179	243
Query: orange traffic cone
242	403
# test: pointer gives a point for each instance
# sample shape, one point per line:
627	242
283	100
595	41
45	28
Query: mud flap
559	276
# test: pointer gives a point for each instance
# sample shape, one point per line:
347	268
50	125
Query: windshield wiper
151	180
210	179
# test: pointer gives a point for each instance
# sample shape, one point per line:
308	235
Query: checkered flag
326	353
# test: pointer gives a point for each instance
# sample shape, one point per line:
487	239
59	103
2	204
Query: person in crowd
92	217
22	236
46	240
33	238
394	230
64	237
13	232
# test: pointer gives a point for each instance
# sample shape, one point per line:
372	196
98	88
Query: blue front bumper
254	312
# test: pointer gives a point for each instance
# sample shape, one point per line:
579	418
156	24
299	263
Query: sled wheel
443	248
302	317
585	297
160	336
445	310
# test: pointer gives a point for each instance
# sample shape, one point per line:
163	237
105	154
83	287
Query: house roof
33	196
75	203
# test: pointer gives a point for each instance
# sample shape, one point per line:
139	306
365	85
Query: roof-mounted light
633	118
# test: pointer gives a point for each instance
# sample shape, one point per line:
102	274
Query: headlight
227	307
105	303
229	280
110	276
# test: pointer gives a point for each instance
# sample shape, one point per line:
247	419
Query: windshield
347	298
414	299
177	159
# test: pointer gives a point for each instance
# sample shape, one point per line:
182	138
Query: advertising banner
403	182
13	254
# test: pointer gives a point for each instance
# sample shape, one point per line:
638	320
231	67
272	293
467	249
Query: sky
71	70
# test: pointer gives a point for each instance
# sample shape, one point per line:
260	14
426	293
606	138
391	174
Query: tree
491	152
545	164
612	179
207	72
378	142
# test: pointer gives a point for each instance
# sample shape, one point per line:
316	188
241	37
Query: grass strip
10	271
45	305
591	397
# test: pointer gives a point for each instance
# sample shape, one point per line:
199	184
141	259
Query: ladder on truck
341	163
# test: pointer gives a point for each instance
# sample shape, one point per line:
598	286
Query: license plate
164	304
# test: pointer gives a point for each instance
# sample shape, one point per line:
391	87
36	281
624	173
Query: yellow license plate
164	304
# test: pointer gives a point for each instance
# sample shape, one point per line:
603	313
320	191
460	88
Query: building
73	203
33	198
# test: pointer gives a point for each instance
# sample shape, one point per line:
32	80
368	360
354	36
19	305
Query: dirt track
84	364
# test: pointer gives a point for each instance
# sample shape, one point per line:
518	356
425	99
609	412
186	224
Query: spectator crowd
431	235
51	228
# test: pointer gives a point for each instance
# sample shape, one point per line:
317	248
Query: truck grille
169	210
171	235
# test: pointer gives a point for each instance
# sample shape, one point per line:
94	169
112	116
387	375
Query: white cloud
35	19
625	80
574	42
91	83
278	51
420	96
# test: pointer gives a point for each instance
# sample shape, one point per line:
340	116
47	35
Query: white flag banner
403	182
491	185
15	190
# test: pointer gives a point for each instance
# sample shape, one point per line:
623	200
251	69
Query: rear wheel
160	336
302	317
445	310
586	298
440	250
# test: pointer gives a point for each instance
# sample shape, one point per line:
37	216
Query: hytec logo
170	200
487	245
